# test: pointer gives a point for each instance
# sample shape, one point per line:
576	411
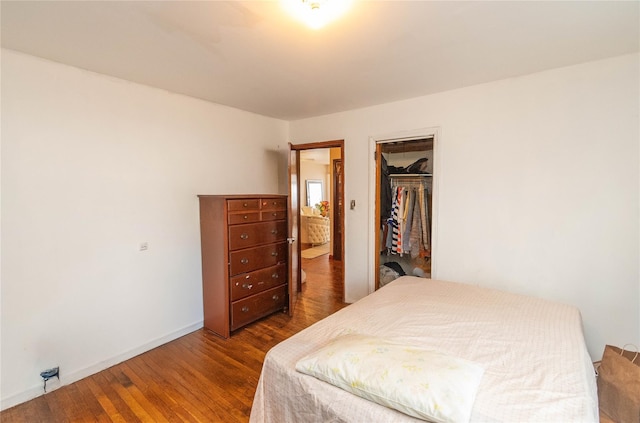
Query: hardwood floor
196	378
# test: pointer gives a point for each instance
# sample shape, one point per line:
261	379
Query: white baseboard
69	378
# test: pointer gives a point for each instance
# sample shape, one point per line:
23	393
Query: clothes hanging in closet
408	226
386	197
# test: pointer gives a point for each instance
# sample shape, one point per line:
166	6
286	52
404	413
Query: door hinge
291	240
375	156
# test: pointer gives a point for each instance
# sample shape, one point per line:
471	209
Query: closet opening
404	208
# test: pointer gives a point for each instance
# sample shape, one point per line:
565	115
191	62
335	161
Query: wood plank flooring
196	378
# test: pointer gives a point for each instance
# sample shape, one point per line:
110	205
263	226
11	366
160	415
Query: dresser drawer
274	204
247	217
258	281
273	215
247	260
256	306
245	236
247	204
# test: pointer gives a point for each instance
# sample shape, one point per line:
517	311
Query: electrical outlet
144	246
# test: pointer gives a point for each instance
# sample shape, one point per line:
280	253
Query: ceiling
251	55
320	156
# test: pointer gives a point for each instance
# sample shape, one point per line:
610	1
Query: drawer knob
274	203
245	205
245	309
244	236
247	285
244	261
275	253
275	297
245	217
274	231
275	276
274	214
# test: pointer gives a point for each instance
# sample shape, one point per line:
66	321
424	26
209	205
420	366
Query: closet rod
410	175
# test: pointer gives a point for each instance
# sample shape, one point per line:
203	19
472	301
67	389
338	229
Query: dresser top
232	196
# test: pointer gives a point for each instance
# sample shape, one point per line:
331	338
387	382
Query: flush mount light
316	13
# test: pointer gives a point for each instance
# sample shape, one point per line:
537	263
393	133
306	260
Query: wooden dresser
244	259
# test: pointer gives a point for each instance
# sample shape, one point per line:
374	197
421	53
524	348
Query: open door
379	220
338	210
294	256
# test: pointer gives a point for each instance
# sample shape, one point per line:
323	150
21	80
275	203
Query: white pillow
413	380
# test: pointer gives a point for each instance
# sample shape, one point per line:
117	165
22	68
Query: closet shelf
410	175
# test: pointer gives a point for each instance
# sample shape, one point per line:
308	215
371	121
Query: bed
536	365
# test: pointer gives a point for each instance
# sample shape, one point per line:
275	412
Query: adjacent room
198	198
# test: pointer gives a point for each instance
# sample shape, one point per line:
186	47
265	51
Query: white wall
538	179
538	188
91	167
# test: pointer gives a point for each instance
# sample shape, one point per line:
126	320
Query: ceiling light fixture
316	13
313	4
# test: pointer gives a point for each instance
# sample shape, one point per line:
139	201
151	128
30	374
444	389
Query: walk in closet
404	208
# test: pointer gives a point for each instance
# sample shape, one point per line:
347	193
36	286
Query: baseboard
69	378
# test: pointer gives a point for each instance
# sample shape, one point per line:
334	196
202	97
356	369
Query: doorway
320	192
405	215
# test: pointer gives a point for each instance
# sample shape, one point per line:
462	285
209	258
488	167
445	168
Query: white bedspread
537	368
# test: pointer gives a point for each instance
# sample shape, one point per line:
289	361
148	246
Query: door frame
374	175
313	146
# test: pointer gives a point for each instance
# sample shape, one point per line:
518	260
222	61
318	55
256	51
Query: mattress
537	368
